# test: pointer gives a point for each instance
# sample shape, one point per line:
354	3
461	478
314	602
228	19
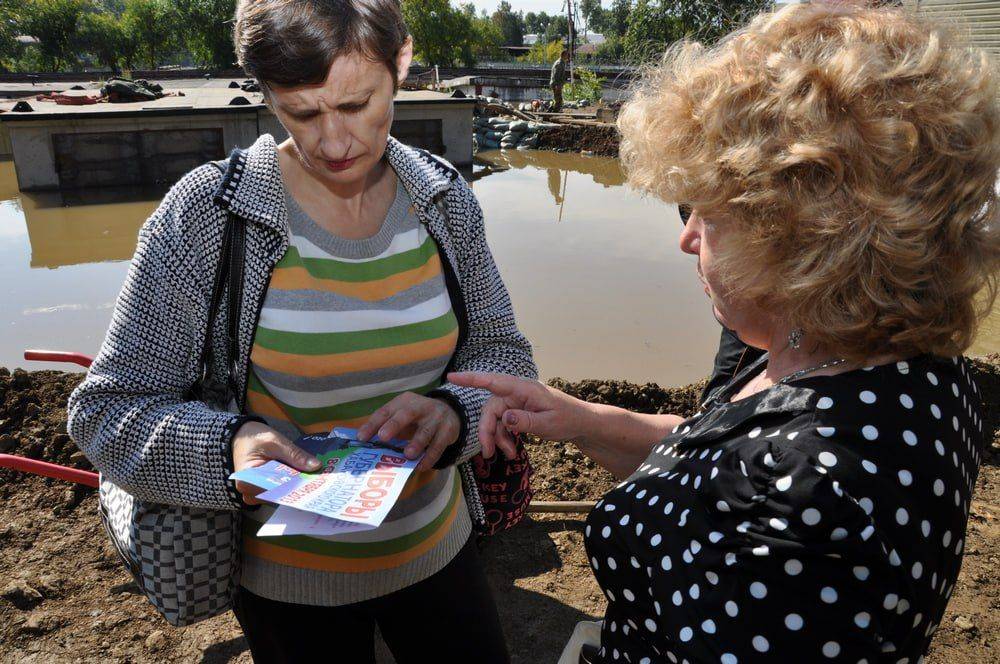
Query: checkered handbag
186	560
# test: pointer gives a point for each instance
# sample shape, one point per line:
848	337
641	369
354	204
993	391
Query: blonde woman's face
702	237
340	126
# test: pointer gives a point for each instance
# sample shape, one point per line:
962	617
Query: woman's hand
520	405
255	444
429	426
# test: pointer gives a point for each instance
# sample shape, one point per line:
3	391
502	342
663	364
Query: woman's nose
335	136
690	239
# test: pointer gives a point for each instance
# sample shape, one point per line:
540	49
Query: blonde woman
840	163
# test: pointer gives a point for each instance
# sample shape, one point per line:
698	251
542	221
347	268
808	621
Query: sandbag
529	141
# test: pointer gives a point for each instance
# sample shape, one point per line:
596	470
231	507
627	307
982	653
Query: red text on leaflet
376	487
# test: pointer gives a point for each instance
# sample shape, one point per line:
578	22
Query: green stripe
328	343
344	411
357	549
373	270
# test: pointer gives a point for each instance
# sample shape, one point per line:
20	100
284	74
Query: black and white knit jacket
130	416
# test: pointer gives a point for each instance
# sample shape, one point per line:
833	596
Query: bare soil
601	140
64	597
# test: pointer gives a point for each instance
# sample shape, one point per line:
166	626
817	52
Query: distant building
978	19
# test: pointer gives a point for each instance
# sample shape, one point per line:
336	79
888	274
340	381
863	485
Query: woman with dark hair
366	277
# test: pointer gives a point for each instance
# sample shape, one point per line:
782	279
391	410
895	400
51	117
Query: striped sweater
346	326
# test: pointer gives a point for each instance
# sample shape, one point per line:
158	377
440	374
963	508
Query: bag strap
229	271
237	266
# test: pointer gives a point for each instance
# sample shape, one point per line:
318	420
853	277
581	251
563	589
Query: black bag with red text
504	487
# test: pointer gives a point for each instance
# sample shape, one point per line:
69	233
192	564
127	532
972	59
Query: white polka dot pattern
820	530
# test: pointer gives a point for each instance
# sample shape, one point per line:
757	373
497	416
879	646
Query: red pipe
49	469
58	356
26	465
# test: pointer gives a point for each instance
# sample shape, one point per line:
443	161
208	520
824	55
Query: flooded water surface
597	280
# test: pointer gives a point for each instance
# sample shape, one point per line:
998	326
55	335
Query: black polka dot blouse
822	520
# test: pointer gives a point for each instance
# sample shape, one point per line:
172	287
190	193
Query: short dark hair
294	42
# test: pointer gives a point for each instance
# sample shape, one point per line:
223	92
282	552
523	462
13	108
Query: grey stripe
283	583
284	427
397	220
442	481
314	300
354	379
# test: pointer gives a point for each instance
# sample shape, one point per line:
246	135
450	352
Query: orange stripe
362	360
265	406
290	557
298	278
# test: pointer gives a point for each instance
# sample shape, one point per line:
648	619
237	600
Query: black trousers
448	617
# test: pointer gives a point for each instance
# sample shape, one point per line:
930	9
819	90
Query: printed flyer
359	484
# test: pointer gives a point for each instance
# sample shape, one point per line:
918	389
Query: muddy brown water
597	280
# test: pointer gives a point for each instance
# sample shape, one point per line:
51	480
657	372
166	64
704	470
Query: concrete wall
34	152
32	142
456	123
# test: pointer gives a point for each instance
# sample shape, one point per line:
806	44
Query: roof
196	101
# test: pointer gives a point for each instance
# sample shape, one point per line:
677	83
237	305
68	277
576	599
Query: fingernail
313	463
510	419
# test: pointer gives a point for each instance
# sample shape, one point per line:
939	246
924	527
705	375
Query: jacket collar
252	187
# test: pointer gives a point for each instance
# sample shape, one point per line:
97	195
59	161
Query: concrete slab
51	143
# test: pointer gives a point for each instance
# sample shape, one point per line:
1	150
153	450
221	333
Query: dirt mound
65	598
600	140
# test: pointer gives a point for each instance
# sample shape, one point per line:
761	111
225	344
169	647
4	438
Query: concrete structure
516	89
154	143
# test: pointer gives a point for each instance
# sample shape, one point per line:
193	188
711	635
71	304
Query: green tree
707	21
54	24
208	29
536	23
152	26
543	53
487	38
557	29
589	9
511	24
103	36
9	46
610	51
441	34
616	20
651	27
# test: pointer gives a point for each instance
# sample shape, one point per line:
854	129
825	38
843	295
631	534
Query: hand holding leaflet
359	482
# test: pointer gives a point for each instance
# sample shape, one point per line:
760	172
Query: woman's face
340	126
702	238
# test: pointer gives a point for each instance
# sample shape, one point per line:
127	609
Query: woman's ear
403	60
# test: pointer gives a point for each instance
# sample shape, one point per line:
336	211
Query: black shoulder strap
229	269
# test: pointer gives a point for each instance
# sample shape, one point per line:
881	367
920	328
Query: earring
795	337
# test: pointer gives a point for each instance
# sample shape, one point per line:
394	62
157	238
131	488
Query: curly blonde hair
853	154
